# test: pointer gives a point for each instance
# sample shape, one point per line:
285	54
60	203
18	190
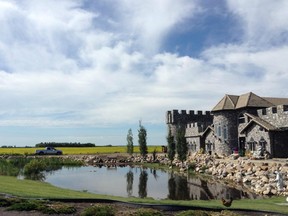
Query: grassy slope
36	189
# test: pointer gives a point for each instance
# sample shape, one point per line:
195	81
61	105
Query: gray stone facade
236	123
225	129
269	132
257	137
277	116
194	122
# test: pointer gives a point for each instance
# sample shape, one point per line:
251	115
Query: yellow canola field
80	150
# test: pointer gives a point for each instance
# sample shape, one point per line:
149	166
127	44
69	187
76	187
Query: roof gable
260	122
252	100
228	102
232	102
210	128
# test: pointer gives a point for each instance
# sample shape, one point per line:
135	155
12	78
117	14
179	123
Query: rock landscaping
264	177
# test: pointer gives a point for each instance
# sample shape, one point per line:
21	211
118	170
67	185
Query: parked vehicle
49	151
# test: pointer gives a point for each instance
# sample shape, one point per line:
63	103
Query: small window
252	145
241	119
262	143
219	130
274	109
209	146
285	108
261	128
225	132
264	111
193	146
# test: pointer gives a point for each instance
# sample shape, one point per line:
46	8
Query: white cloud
60	64
149	21
264	21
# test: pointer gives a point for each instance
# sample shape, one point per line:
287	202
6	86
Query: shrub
148	212
99	210
42	206
34	167
4	202
24	206
7	168
225	213
192	166
193	213
57	208
19	161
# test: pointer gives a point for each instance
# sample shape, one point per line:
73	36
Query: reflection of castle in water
200	189
181	187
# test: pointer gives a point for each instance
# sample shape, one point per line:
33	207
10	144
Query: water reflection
143	178
178	187
154	173
200	189
142	182
129	187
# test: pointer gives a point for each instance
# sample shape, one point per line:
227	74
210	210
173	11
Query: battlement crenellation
185	116
280	109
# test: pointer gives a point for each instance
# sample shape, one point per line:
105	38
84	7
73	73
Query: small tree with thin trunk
130	146
142	140
171	146
182	148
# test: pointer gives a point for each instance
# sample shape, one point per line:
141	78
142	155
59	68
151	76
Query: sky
88	71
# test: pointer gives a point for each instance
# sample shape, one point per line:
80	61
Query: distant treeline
5	146
65	144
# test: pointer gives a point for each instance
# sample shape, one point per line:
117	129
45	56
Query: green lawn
36	189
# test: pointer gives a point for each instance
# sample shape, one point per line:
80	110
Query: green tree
142	140
171	146
182	148
130	146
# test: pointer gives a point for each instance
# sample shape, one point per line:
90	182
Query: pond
132	181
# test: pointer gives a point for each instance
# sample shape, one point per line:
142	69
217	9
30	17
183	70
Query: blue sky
87	71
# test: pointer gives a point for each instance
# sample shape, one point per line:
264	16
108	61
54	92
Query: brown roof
277	101
228	102
232	102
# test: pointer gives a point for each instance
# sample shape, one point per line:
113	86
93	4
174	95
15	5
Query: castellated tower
195	123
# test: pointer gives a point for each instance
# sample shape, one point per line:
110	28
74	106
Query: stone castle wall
227	127
193	122
277	116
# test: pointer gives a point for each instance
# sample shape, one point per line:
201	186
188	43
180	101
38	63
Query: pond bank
263	177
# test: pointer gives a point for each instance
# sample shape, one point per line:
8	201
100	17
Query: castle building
237	123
